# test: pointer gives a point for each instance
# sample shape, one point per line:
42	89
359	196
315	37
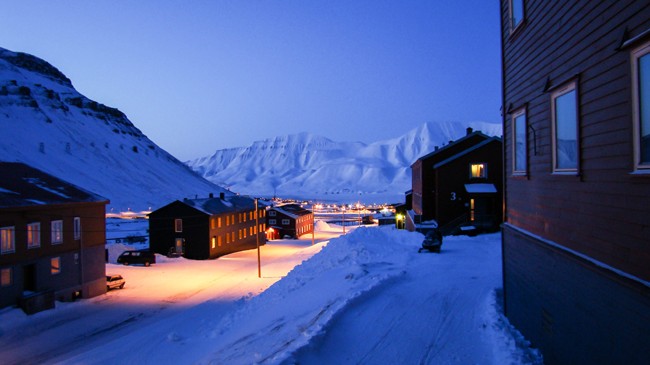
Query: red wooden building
576	236
289	220
52	239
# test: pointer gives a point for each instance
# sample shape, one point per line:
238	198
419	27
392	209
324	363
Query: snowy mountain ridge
309	166
47	124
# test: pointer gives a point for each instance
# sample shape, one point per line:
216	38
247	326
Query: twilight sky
197	76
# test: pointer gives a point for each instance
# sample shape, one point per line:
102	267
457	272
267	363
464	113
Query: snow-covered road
365	298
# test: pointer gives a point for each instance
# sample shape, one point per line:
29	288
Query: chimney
222	196
437	148
469	130
211	196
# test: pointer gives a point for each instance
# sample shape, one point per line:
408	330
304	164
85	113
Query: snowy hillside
309	166
47	124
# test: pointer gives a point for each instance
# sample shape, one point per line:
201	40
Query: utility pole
257	240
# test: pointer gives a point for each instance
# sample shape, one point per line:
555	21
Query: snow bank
286	316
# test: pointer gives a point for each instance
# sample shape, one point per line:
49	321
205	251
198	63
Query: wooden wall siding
607	321
604	212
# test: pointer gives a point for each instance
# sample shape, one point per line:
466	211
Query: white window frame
484	175
513	25
7	239
272	221
178	225
566	89
77	228
521	113
286	222
55	265
272	213
636	54
33	235
6	276
56	232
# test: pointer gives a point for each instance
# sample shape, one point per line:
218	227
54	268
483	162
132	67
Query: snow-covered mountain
47	124
309	166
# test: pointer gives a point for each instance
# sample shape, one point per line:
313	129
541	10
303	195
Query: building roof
292	210
22	185
229	203
480	188
466	151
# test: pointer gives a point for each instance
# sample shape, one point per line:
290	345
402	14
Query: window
7	240
178	225
220	240
55	265
564	109
519	145
213	223
214	241
33	235
272	221
641	102
219	222
516	13
285	222
6	278
77	228
56	232
272	213
478	171
232	238
227	220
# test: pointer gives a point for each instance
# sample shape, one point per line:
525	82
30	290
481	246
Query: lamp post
343	217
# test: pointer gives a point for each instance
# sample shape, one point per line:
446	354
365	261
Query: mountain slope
308	166
47	124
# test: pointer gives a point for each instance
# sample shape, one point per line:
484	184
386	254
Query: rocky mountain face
310	166
47	124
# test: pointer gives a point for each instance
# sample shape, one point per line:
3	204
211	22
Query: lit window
565	129
472	210
33	235
220	240
285	222
219	222
516	13
233	236
641	99
7	240
478	170
6	278
519	146
77	228
213	223
178	225
57	232
214	241
55	265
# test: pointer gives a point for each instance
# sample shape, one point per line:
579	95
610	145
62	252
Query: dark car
432	241
145	258
114	281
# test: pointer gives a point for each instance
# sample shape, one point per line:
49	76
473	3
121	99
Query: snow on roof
480	188
23	185
230	203
292	210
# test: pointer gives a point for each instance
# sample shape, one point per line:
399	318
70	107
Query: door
178	247
29	277
481	212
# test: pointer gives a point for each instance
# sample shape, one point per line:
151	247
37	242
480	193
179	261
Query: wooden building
458	185
576	232
207	228
289	220
52	239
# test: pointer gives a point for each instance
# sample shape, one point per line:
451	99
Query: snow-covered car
114	282
145	258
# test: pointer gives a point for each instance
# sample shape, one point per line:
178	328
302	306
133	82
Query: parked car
145	258
114	281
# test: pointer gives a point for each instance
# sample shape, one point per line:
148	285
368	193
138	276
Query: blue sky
196	76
